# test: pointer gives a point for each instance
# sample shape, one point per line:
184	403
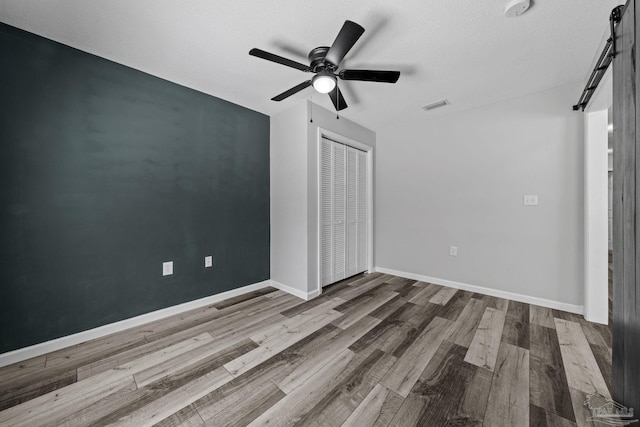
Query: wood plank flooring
373	350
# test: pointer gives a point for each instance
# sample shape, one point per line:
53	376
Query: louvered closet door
363	203
339	211
352	212
326	212
343	212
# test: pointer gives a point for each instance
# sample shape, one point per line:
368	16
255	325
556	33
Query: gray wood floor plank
17	391
427	291
336	406
465	326
582	413
244	411
296	404
278	343
326	354
92	390
368	411
494	302
603	359
389	307
508	402
484	347
186	417
172	402
115	407
516	332
579	363
443	296
440	396
456	305
538	417
404	374
354	313
541	316
549	390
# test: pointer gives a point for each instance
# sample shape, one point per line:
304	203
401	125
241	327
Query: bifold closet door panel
363	206
339	211
352	212
326	212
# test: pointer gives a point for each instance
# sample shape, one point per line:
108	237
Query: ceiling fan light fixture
324	82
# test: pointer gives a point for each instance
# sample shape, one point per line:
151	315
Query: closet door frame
369	152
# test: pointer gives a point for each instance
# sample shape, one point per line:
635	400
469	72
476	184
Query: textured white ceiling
463	50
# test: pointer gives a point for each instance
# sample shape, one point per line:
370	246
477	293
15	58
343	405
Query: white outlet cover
208	261
453	251
167	268
530	199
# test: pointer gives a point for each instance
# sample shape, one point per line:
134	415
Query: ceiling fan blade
347	37
370	75
293	90
338	99
279	59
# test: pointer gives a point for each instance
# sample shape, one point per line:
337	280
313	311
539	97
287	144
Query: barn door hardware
607	55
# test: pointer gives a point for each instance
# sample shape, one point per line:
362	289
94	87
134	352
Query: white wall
460	180
294	192
288	182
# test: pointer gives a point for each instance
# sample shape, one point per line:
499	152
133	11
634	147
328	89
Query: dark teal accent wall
106	172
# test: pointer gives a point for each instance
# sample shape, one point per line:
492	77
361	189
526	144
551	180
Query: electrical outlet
208	261
167	268
453	251
530	199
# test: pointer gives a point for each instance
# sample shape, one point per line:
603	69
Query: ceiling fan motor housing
316	59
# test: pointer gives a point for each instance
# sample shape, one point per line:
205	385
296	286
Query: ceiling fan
324	62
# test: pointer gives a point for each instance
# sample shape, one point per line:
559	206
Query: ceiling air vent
435	105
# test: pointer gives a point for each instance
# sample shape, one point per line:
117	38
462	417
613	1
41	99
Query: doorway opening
598	198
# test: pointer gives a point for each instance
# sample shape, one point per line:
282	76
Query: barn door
626	227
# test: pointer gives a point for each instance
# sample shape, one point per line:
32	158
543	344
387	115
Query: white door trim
369	150
596	241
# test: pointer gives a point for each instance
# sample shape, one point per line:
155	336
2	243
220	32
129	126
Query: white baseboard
577	309
46	347
295	292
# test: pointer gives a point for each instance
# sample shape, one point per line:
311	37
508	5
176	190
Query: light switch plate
530	199
208	261
167	268
453	251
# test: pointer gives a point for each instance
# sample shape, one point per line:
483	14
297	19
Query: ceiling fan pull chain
311	110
